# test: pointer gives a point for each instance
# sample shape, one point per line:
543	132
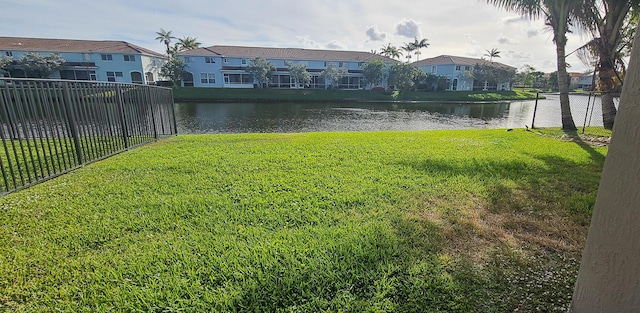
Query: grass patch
426	221
321	95
26	161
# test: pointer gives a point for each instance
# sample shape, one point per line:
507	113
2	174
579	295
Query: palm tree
165	37
419	44
606	20
391	51
558	15
188	43
408	47
493	53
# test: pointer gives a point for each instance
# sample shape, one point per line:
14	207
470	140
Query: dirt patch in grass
478	230
587	139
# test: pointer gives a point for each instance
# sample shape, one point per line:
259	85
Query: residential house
458	71
105	60
224	66
574	80
588	81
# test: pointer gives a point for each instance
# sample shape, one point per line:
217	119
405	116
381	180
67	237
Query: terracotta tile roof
286	53
450	59
72	45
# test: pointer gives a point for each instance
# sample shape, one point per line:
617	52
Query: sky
465	28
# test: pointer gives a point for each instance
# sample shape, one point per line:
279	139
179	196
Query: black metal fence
586	110
49	127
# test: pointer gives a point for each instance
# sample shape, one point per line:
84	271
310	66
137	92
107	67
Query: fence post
535	108
151	100
586	114
4	143
73	123
123	119
173	112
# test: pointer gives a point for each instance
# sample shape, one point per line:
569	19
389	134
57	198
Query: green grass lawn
425	221
27	161
320	95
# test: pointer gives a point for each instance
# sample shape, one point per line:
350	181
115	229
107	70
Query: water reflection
195	118
288	117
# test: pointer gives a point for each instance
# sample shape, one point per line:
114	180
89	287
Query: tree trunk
609	111
563	84
607	86
607	48
609	276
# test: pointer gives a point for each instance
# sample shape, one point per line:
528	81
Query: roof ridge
72	45
291	53
291	48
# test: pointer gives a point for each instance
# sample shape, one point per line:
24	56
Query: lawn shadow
544	208
516	242
586	146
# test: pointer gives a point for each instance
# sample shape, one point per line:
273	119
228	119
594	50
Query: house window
225	60
209	60
244	61
106	57
78	75
113	76
434	69
237	79
457	67
188	60
8	53
207	78
129	58
341	64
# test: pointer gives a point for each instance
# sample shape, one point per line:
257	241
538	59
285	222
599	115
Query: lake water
200	118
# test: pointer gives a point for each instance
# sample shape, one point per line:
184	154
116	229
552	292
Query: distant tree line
32	65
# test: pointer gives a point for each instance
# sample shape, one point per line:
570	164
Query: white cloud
550	63
532	33
335	45
470	41
374	34
408	28
514	19
307	42
504	40
518	55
